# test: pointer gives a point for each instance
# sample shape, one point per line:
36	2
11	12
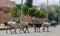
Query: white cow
46	24
11	25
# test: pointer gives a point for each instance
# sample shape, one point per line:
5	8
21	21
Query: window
6	9
0	9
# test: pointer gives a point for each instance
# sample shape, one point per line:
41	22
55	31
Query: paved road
53	32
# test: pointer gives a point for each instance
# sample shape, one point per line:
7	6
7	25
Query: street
52	32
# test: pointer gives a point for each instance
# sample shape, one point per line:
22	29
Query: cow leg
6	30
39	29
43	29
35	29
20	30
10	30
27	29
47	29
23	30
15	31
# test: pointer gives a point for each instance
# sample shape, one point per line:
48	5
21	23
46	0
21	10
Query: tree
40	13
32	11
25	10
15	11
36	12
29	3
52	11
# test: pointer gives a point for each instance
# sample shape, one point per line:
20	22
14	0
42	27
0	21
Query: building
5	5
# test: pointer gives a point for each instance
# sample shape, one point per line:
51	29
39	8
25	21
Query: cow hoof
34	31
47	31
11	33
19	31
24	31
39	31
28	32
6	32
15	32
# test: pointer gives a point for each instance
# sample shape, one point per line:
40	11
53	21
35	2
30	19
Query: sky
38	2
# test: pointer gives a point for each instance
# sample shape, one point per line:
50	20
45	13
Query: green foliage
36	12
53	12
15	11
29	3
25	10
32	11
40	13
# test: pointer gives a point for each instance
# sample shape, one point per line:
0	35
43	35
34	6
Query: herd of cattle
23	26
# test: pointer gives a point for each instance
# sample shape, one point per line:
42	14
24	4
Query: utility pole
47	11
21	9
59	12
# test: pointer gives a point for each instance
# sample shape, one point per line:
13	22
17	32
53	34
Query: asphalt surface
53	31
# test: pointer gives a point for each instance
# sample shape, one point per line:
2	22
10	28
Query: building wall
5	5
